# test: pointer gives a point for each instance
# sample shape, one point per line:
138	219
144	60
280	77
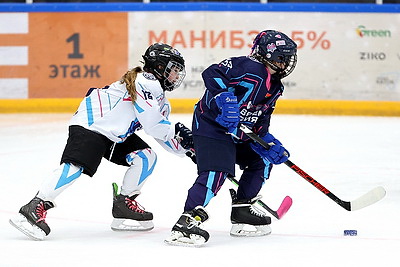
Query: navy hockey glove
183	135
277	154
229	108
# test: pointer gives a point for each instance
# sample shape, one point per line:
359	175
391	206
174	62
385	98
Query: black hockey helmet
166	64
271	47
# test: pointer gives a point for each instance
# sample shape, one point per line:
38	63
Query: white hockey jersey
111	112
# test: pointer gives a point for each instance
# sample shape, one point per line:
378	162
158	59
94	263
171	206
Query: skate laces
41	212
256	211
134	205
192	221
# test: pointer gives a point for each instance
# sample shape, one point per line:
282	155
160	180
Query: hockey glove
183	135
277	154
229	108
192	155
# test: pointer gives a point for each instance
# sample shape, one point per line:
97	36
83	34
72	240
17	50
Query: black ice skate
247	219
31	219
128	214
187	231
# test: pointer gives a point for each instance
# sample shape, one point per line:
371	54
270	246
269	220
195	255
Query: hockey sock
142	165
206	186
64	176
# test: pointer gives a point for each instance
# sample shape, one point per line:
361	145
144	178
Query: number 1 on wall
75	46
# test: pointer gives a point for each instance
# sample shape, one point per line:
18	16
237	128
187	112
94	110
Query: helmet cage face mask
174	74
166	64
289	63
272	47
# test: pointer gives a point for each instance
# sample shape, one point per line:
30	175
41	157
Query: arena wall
348	56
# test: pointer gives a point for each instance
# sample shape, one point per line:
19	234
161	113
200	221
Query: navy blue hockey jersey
255	88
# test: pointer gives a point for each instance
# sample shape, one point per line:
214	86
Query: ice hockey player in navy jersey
239	89
104	126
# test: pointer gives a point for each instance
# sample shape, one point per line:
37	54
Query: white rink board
342	56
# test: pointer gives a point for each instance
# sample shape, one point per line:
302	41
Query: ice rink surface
348	155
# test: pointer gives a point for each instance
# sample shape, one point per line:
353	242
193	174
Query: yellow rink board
284	106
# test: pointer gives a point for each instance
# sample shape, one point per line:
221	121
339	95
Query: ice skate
128	214
187	231
247	219
31	219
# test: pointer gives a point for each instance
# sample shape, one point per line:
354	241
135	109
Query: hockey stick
363	201
280	212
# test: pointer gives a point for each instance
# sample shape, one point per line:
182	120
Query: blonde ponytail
129	80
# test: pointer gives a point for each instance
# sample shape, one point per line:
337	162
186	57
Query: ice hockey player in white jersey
104	126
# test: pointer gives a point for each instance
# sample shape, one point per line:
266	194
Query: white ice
348	155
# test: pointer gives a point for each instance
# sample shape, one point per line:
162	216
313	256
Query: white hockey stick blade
368	198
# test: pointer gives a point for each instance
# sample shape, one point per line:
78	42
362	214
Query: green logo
364	32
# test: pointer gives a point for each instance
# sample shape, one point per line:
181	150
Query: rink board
284	106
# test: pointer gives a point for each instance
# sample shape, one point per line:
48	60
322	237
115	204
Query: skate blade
177	239
246	230
131	225
32	231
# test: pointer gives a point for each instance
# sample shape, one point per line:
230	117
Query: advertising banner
60	55
341	56
351	56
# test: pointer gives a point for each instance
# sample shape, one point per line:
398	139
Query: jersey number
147	95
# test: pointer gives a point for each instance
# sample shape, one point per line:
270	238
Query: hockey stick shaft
280	212
368	199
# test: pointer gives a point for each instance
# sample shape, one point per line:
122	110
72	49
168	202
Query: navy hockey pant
208	183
